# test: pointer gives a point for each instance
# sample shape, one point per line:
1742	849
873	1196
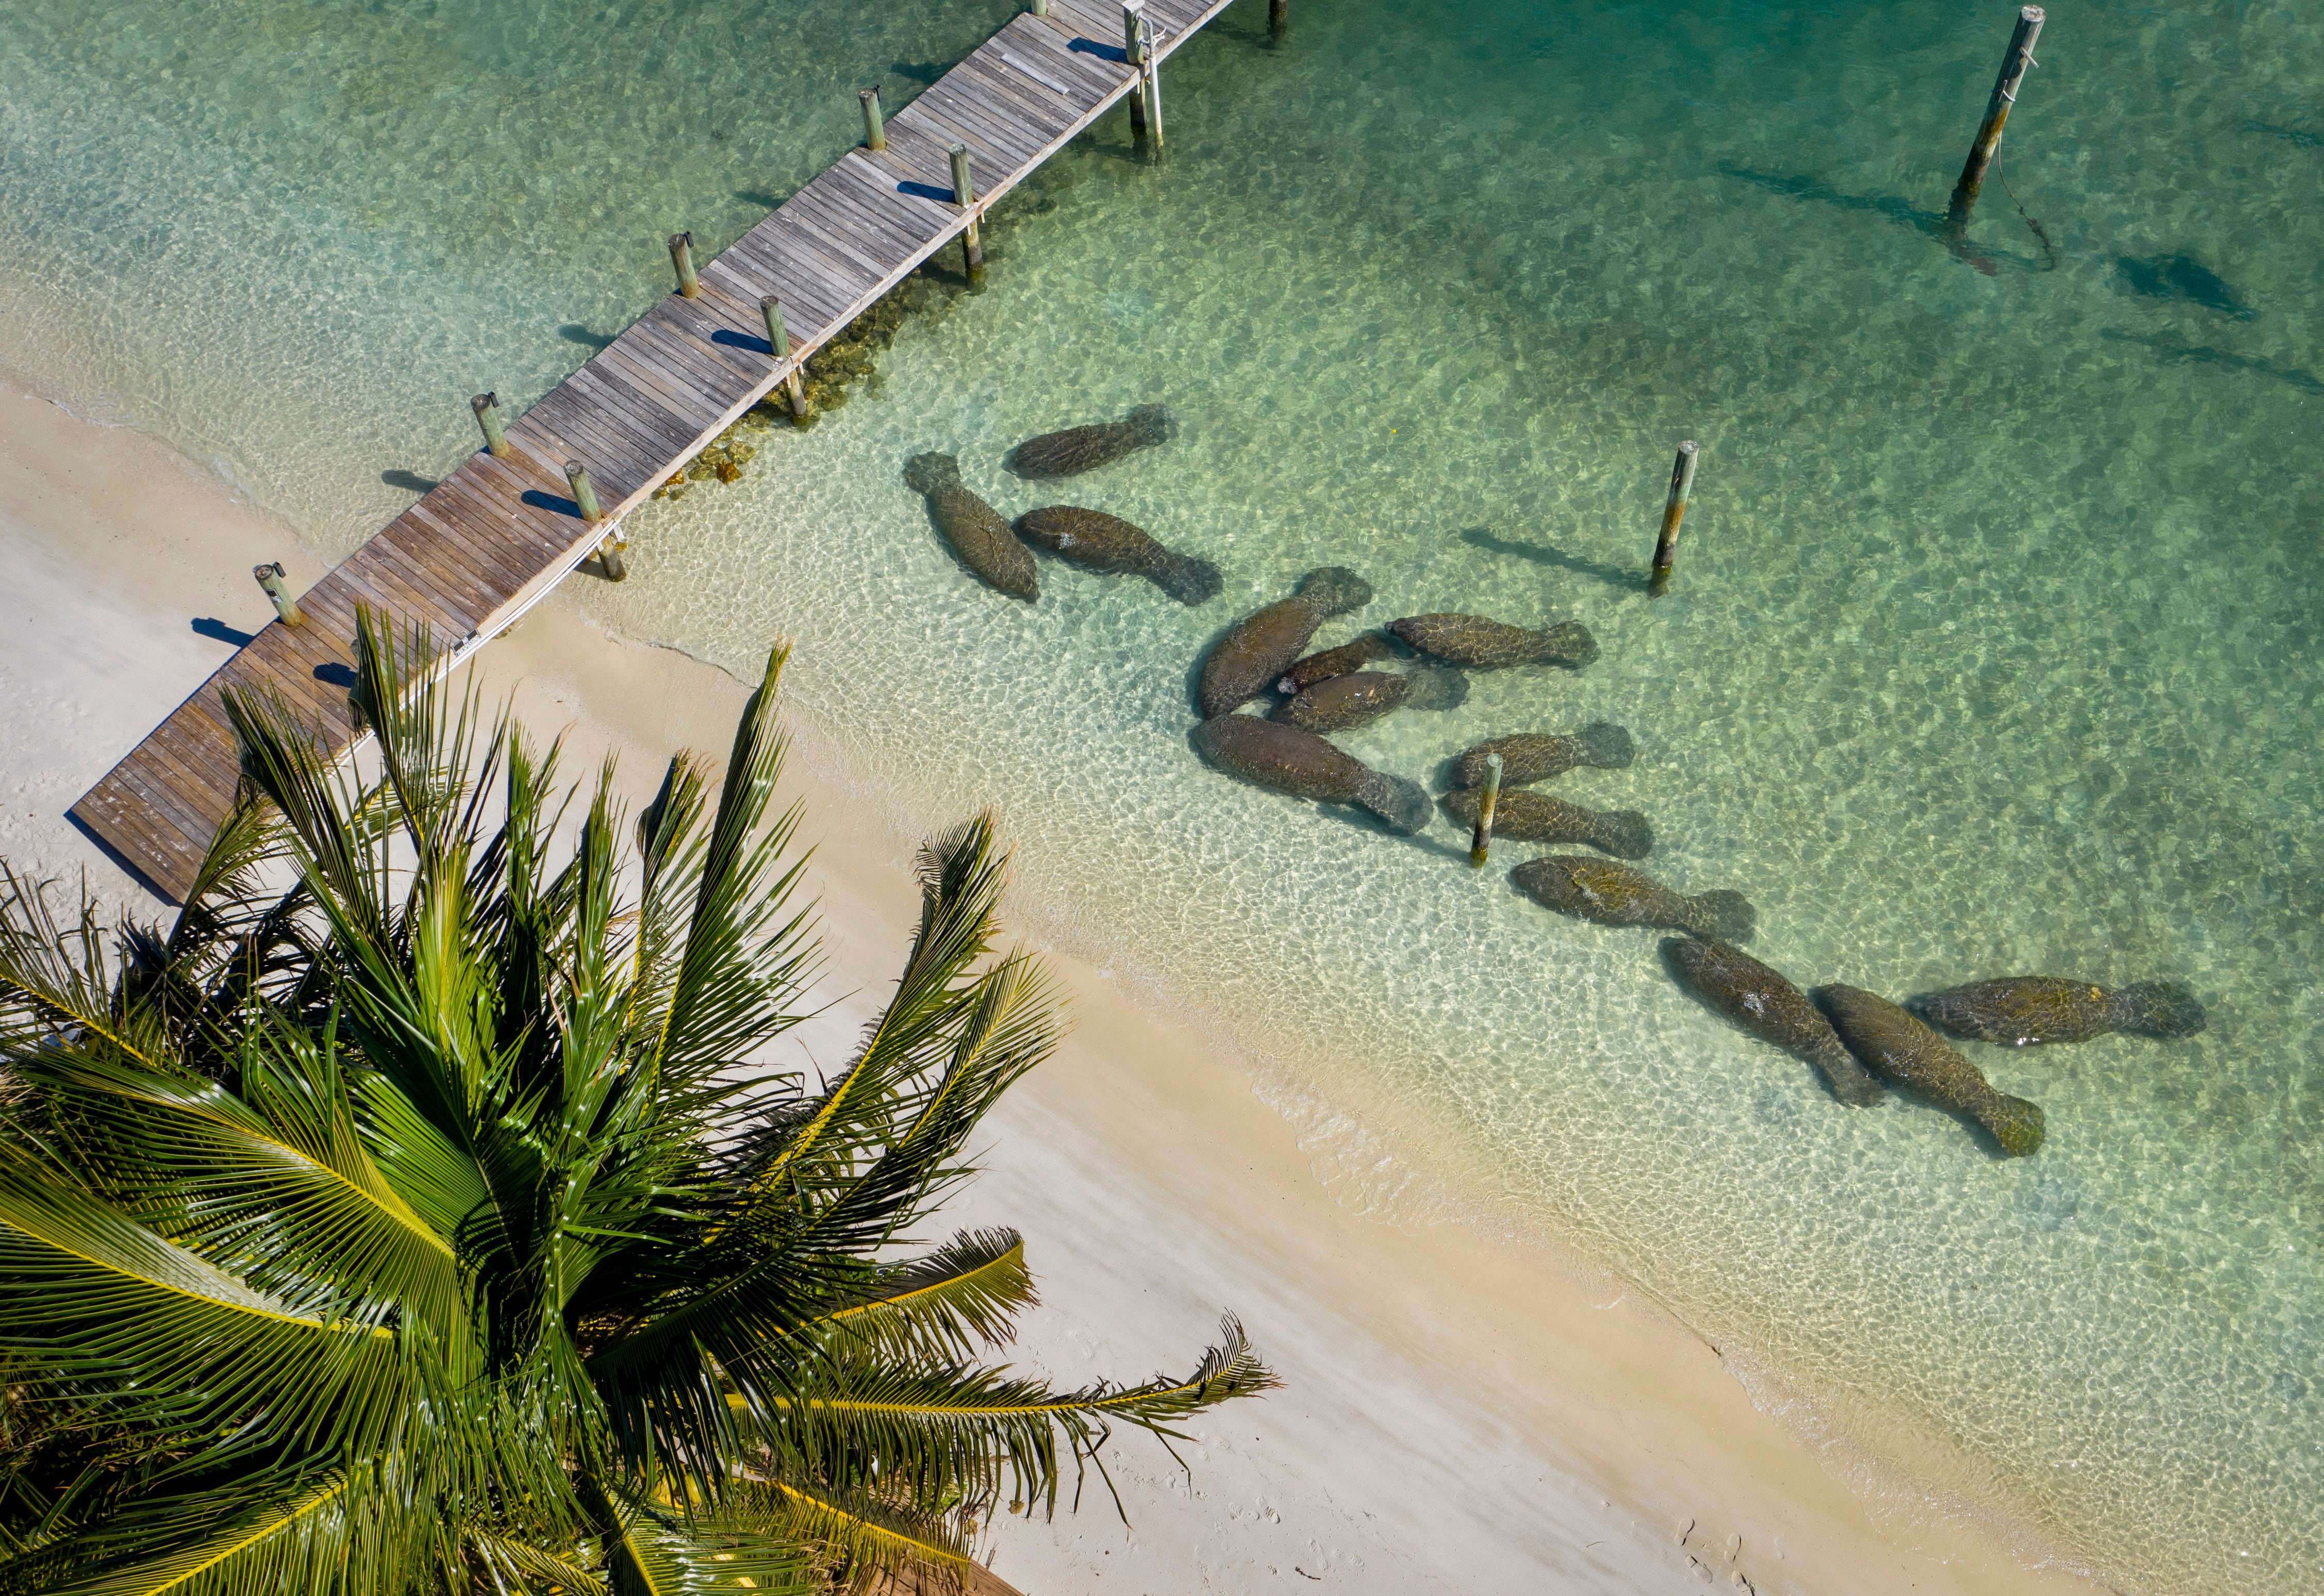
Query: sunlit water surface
1993	648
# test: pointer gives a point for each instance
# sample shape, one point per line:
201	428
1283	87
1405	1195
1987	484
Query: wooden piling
609	559
487	407
964	195
1133	50
1150	80
2013	62
1040	7
1481	841
779	343
1673	512
270	577
585	491
1279	19
875	131
681	256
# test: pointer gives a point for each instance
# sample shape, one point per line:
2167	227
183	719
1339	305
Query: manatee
1097	541
1616	895
973	528
1733	983
1267	754
1079	448
1900	1048
1537	817
2020	1011
1251	656
1489	645
1342	703
1536	756
1340	661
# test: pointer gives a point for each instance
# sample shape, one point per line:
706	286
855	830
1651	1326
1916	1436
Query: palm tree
416	1215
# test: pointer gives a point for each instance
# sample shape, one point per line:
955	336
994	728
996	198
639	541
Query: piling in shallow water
1981	150
964	195
585	491
779	345
1481	841
487	407
1682	485
681	256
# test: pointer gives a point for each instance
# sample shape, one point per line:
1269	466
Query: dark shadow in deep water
573	332
2302	136
1550	554
409	481
2307	382
2184	279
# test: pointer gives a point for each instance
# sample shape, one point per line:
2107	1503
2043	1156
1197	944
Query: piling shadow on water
573	332
2305	138
1550	554
409	481
1888	208
2307	382
2182	279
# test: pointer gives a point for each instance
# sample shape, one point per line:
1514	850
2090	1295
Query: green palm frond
434	1224
938	1307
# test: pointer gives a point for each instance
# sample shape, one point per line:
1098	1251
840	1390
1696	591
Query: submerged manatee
973	528
1734	984
1524	817
1097	541
1899	1047
2020	1011
1078	449
1616	895
1340	661
1535	756
1251	656
1489	645
1342	703
1288	759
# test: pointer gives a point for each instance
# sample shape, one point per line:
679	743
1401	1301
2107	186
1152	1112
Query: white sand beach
1459	1414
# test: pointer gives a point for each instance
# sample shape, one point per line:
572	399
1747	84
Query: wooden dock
498	533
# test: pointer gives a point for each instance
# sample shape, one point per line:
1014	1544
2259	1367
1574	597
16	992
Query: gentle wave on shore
1992	649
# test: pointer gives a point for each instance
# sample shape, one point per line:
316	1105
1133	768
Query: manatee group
1524	817
1285	759
1538	756
1899	1048
1616	895
1345	659
1256	651
1344	703
1491	645
972	527
1758	1000
1081	448
1097	541
2023	1011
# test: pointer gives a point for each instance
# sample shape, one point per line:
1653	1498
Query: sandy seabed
1460	1412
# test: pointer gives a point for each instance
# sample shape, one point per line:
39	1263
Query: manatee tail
2158	1008
1189	580
1401	803
1154	425
1438	686
931	473
1623	832
2015	1123
1607	746
1726	916
1335	589
1569	643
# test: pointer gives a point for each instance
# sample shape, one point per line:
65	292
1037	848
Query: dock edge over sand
488	542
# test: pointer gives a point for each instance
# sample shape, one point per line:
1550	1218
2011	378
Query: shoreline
1446	1389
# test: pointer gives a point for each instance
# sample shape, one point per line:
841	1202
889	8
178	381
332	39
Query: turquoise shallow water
1993	648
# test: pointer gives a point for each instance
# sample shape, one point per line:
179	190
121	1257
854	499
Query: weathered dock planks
496	535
